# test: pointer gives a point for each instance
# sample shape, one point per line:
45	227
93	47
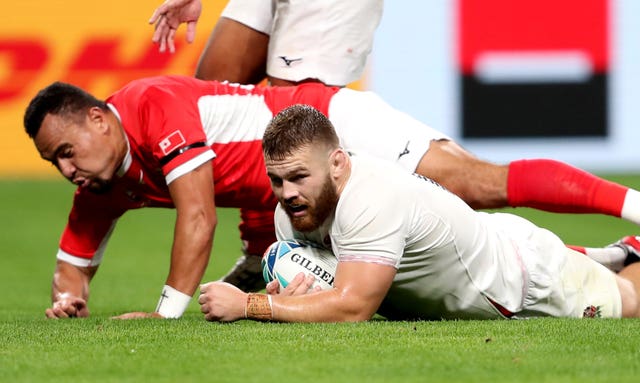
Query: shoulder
158	88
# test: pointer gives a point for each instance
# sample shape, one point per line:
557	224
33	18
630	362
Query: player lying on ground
166	141
408	248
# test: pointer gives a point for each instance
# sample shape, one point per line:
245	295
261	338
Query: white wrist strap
172	302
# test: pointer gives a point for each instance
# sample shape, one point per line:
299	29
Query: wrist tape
172	302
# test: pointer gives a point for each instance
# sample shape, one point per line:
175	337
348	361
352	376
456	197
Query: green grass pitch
99	349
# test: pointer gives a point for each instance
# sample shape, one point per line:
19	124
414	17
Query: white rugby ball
283	260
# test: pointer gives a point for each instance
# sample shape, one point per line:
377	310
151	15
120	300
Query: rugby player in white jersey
407	248
333	40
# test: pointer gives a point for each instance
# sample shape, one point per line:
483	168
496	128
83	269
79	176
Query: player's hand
68	306
221	301
299	285
138	315
168	17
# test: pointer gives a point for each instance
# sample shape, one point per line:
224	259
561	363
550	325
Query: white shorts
582	288
366	123
324	40
256	14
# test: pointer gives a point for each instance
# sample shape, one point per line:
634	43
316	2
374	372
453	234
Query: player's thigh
235	53
257	230
364	122
629	284
481	184
590	289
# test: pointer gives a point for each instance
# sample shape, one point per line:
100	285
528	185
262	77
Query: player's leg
616	255
237	48
363	121
481	184
257	232
628	280
542	184
555	186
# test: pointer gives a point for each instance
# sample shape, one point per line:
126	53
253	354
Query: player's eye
297	177
276	181
66	153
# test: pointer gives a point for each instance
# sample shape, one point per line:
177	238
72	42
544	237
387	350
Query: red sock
555	186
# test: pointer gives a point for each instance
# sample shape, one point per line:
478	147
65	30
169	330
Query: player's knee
480	184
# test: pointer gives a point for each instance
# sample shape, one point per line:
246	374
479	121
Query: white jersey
451	261
324	40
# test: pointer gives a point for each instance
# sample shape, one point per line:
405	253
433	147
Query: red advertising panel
533	68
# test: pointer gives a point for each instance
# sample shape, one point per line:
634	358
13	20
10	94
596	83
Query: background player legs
542	184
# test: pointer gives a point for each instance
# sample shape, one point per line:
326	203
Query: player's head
77	133
305	164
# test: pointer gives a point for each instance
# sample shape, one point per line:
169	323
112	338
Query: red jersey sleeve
90	223
173	130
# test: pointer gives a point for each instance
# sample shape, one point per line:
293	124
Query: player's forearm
71	280
323	306
190	253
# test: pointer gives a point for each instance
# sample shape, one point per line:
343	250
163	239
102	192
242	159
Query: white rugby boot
631	246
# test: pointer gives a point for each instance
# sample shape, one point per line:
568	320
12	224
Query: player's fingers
273	287
156	14
202	298
50	314
157	35
170	39
191	31
161	30
163	44
59	312
293	284
305	285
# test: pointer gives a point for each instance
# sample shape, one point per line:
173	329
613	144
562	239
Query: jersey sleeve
368	230
173	132
256	14
90	224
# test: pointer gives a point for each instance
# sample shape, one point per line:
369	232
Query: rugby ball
283	260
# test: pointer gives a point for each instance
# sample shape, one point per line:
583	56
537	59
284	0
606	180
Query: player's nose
66	168
289	190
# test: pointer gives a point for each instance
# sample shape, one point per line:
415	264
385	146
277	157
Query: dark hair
297	126
59	99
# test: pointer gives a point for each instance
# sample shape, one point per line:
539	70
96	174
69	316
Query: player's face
304	187
82	150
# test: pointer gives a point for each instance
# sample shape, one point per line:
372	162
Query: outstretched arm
70	291
196	220
168	17
358	291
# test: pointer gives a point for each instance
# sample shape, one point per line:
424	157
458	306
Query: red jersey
173	125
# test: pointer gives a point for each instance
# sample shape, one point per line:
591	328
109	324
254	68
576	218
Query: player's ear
97	118
339	162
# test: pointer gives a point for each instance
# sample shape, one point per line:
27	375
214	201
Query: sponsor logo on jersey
405	151
288	61
172	142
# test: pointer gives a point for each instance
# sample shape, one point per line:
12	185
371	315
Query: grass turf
191	350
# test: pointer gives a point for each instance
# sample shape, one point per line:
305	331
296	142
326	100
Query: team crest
592	312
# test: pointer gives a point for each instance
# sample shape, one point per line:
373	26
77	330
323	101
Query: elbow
355	309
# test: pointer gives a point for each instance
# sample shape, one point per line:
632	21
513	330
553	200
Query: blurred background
507	79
